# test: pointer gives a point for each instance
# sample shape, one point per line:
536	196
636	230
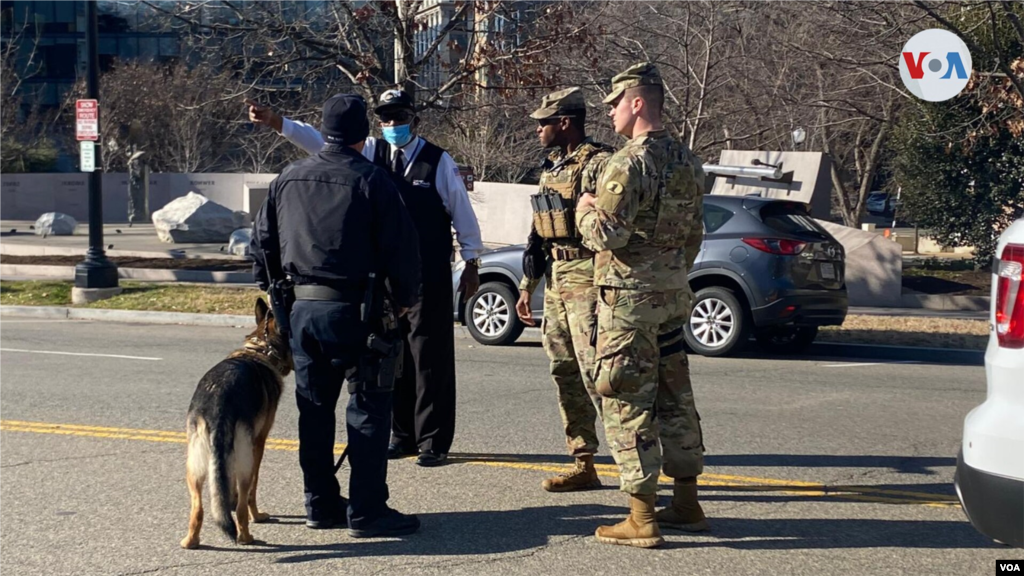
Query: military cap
391	99
640	74
568	102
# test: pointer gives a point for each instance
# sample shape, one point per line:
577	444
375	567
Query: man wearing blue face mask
435	195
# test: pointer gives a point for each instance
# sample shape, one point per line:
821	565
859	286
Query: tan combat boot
638	529
684	513
582	477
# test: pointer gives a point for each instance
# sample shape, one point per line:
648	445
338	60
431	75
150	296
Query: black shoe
392	523
430	459
396	450
337	518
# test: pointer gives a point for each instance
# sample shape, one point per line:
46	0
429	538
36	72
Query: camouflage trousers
643	375
570	312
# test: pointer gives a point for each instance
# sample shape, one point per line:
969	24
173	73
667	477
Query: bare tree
25	126
496	137
441	50
998	14
851	49
187	125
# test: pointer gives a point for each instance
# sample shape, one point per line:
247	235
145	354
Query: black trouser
328	340
424	413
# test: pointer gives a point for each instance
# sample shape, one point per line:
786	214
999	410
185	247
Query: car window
715	217
790	219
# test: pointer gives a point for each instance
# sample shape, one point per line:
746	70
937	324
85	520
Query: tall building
434	16
503	29
50	39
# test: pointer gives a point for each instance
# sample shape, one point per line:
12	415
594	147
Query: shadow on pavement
901	464
509	531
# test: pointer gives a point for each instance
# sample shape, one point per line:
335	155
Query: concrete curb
819	349
901	353
14	249
144	274
139	316
945	302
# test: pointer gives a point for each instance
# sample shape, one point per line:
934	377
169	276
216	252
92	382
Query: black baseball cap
344	120
392	99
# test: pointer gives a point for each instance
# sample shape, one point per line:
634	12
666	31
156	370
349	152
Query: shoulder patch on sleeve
614	187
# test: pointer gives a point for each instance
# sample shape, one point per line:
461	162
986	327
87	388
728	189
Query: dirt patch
909	331
953	283
198	264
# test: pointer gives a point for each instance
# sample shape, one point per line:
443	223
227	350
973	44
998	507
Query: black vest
418	188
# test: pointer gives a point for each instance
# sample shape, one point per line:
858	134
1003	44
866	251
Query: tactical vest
668	218
554	205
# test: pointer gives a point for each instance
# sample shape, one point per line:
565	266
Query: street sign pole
96	271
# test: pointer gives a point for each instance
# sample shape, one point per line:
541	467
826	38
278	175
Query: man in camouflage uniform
570	298
646	226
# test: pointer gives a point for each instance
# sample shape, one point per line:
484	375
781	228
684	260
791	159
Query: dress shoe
430	459
336	518
396	451
391	523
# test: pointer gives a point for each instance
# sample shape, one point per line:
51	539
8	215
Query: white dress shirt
449	183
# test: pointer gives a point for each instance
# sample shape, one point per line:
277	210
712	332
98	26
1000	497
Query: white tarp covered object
195	218
55	224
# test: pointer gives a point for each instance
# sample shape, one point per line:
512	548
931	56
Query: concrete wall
503	211
810	172
27	196
874	266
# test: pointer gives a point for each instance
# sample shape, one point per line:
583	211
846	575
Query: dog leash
341	459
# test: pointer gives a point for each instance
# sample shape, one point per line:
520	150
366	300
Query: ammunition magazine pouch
553	216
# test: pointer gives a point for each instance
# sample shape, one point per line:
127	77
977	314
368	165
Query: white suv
990	465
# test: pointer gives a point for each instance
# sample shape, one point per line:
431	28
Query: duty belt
319	292
571	253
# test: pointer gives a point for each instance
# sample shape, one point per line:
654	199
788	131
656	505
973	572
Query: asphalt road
814	466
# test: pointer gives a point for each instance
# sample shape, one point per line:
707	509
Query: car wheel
718	323
786	339
491	315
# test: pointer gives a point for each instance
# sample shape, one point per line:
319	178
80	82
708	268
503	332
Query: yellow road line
710	480
128	433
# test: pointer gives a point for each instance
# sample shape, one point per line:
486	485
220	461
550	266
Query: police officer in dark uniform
335	225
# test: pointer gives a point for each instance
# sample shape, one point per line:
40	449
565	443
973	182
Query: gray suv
766	269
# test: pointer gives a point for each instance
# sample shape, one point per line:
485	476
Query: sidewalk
920	313
140	240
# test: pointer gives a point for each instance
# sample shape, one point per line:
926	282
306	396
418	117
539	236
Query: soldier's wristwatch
473	262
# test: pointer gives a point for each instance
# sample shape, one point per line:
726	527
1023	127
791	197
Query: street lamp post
96	276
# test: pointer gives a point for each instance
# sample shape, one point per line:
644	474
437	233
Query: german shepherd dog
228	422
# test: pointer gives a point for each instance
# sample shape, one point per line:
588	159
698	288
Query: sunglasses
550	121
399	116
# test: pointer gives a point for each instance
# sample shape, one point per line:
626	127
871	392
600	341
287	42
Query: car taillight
1010	297
776	245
